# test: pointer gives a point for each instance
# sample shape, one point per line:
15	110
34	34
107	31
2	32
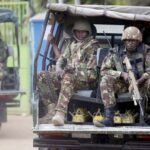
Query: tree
141	3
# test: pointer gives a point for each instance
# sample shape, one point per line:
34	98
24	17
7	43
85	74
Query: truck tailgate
71	128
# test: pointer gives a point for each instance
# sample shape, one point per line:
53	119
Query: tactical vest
137	59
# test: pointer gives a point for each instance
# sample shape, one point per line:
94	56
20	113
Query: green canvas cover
7	15
138	13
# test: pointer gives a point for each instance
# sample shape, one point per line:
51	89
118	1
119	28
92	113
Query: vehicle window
109	35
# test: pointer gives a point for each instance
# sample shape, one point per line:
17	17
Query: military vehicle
131	129
10	84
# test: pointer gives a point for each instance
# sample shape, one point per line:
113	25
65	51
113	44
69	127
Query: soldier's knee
67	78
106	81
41	75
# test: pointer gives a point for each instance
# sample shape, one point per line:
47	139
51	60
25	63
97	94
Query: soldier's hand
41	75
125	76
59	71
142	79
69	69
148	83
51	39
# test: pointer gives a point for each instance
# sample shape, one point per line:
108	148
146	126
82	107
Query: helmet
82	24
132	33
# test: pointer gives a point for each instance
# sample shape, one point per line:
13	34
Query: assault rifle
132	80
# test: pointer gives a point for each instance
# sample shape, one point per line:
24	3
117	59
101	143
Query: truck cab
131	133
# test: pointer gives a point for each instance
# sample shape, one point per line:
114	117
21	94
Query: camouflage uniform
48	89
112	81
79	57
81	74
48	80
79	64
3	58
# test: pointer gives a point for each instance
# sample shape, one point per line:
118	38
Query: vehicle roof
8	15
132	13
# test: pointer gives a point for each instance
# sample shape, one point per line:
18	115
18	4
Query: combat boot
59	118
108	121
48	117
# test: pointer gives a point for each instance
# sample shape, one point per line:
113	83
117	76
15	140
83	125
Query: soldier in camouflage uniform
3	59
76	67
48	94
77	61
114	81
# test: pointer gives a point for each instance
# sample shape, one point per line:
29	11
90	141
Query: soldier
78	62
4	53
114	81
76	67
45	92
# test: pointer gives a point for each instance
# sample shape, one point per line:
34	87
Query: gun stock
132	80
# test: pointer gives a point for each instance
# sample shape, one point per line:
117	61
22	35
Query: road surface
16	133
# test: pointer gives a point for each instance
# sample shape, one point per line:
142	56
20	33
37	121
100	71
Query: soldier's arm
108	67
88	67
91	64
146	74
147	62
63	57
91	67
56	50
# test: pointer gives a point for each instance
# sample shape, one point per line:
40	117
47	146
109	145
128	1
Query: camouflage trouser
48	87
110	86
2	69
64	88
70	83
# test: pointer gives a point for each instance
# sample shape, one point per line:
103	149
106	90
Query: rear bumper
108	138
55	143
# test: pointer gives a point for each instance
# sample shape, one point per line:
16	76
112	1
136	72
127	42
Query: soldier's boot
59	118
108	121
48	117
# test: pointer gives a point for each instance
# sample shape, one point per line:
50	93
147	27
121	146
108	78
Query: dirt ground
16	133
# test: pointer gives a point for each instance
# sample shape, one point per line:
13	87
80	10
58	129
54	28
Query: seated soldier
45	92
75	68
3	59
114	81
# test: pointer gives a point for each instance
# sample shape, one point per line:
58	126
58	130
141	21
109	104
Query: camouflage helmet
82	25
132	33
